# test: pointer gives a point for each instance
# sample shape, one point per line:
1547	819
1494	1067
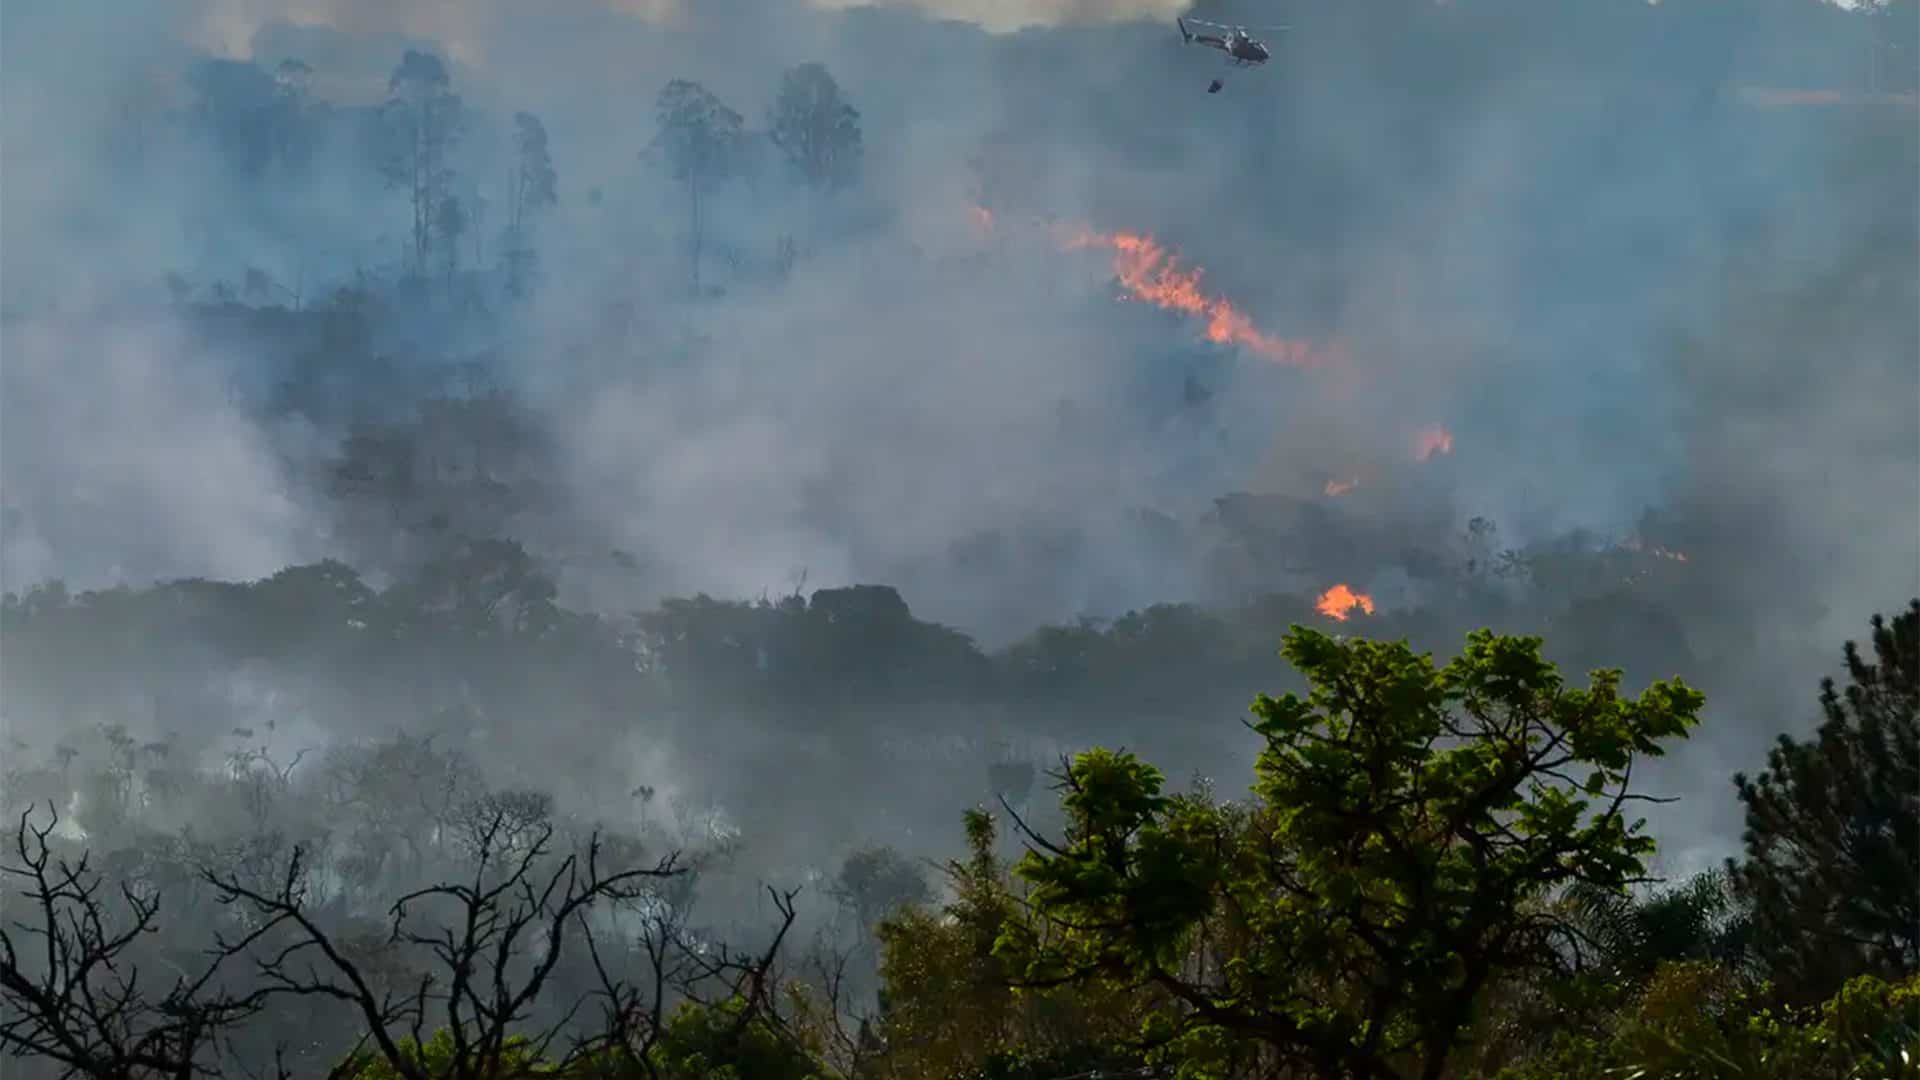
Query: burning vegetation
1149	272
1340	601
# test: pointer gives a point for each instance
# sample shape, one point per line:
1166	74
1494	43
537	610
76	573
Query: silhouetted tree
376	465
486	588
450	221
532	187
293	110
1832	862
499	936
72	987
1627	937
423	122
874	881
701	140
535	185
815	129
234	103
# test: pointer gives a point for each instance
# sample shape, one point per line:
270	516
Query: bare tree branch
71	984
498	937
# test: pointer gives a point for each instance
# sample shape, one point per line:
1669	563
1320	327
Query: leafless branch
71	984
499	937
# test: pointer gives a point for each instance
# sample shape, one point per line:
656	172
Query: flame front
1149	272
1338	602
1432	440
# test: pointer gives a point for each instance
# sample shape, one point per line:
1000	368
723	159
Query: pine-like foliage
1832	863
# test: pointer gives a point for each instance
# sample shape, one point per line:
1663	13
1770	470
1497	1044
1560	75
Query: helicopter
1241	47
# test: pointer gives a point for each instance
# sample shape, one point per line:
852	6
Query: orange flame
1149	272
1338	602
1432	440
1337	488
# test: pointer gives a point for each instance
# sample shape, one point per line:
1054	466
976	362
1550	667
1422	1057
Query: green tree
1407	825
729	1040
1697	1021
1630	936
441	1056
1832	860
947	1008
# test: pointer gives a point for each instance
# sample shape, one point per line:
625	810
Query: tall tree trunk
693	189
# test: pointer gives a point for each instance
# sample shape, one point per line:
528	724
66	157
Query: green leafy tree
1622	943
1832	861
729	1040
724	1041
947	1007
1630	936
1698	1021
1408	823
441	1056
